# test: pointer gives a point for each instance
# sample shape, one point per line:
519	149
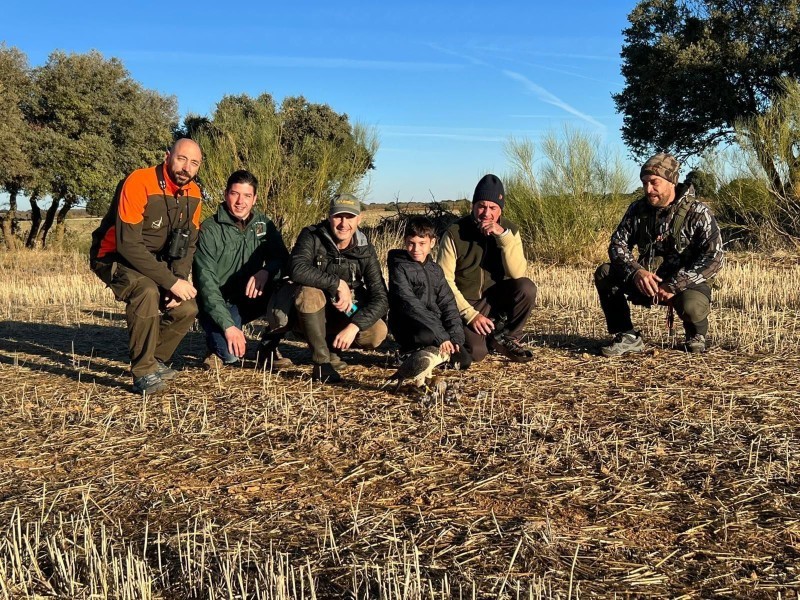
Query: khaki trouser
319	322
152	335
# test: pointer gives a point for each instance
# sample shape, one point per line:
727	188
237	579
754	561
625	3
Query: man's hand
490	228
664	296
482	325
344	297
346	337
448	347
236	342
256	284
183	290
646	282
170	301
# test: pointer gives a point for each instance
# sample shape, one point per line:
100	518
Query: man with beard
680	251
341	295
483	261
143	251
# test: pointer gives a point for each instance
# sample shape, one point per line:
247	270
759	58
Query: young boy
422	308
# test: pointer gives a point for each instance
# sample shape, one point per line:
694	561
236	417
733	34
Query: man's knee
144	298
373	336
693	306
310	299
185	310
602	277
527	288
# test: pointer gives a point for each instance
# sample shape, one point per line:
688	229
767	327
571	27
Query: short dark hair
242	176
420	227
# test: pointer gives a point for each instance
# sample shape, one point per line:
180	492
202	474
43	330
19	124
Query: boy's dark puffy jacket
419	292
317	262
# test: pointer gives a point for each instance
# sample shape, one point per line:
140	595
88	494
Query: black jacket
317	262
420	293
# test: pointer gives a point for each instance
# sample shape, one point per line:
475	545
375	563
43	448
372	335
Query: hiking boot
695	343
270	357
325	373
513	349
623	343
148	384
212	362
166	373
336	361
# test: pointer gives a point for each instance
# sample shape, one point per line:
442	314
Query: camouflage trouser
693	305
319	322
152	334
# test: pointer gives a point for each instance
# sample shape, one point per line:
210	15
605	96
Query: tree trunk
58	232
36	223
49	217
7	222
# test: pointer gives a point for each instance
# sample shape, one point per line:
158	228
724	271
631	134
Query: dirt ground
660	475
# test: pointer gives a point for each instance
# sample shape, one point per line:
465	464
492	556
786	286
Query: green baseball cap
345	203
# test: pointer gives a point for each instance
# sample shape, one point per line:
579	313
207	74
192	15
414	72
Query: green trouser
319	322
153	335
693	304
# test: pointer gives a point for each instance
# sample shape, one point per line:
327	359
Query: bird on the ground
417	367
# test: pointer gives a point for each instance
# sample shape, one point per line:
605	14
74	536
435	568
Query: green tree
97	124
693	68
302	154
16	137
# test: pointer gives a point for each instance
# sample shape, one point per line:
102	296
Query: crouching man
679	252
341	296
143	251
240	258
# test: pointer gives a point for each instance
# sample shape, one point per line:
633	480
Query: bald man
143	251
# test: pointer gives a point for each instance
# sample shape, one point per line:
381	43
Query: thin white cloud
462	134
293	62
549	98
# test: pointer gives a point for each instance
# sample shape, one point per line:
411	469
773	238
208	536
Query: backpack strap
678	219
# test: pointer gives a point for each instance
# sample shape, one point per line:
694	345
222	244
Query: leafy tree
97	124
16	137
302	154
692	69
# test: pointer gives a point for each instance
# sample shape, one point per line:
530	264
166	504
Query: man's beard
179	177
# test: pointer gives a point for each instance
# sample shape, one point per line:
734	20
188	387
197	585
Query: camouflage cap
345	203
662	165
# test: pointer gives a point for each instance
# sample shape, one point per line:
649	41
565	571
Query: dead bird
417	367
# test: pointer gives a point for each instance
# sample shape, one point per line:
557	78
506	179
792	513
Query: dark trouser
513	297
242	312
693	305
319	323
152	335
412	335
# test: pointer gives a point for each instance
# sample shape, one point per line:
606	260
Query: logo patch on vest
157	224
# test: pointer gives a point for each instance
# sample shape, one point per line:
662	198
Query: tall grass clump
568	205
770	143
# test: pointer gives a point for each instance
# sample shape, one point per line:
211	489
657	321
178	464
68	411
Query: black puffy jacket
420	293
317	262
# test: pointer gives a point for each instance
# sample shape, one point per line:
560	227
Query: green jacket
228	256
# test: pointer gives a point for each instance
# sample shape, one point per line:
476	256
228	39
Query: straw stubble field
662	475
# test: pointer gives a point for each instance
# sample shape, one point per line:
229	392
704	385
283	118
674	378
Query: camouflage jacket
651	230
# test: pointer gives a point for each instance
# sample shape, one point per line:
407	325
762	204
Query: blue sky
445	84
